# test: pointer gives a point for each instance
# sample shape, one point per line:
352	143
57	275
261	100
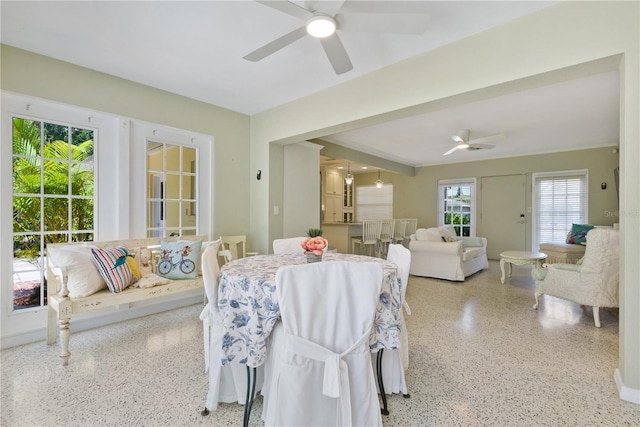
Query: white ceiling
195	49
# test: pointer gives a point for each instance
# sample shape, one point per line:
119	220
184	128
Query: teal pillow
578	234
179	260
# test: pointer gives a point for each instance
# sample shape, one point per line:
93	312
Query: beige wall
416	197
41	77
564	41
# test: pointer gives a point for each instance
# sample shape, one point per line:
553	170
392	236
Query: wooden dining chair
320	369
226	383
236	245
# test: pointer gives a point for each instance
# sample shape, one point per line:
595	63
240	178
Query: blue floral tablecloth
247	302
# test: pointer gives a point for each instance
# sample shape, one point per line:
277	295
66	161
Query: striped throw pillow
113	267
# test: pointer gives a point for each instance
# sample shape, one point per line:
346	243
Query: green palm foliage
53	185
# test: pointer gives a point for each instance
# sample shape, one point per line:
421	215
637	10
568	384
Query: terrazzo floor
479	356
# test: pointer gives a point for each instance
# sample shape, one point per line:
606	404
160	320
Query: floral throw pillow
179	260
113	267
578	234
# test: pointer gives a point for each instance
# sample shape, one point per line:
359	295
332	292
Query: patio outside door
503	214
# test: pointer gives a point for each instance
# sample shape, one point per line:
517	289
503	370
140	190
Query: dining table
248	304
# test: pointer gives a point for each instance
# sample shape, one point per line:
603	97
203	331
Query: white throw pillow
421	234
83	278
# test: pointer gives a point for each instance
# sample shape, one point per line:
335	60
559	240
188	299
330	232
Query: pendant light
349	178
379	182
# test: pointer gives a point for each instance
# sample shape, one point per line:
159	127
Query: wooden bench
62	307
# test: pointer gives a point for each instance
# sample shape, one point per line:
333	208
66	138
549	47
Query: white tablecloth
247	302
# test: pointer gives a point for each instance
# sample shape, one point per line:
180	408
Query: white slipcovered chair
229	383
320	369
395	362
594	281
288	246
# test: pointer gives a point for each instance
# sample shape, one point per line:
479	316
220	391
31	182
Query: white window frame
107	190
473	205
563	224
367	207
141	134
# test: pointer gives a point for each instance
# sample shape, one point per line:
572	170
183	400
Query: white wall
301	201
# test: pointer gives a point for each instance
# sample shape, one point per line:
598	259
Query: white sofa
460	257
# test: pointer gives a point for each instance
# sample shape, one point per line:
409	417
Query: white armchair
592	282
432	256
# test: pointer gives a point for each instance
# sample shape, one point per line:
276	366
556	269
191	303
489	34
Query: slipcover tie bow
336	372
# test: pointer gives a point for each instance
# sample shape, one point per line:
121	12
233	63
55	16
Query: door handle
522	219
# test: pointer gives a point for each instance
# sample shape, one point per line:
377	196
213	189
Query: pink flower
314	244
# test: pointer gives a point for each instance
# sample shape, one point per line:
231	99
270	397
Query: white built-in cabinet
333	196
338	198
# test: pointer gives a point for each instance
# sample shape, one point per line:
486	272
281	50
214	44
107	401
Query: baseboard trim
119	314
626	393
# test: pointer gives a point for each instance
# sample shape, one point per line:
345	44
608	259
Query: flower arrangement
314	244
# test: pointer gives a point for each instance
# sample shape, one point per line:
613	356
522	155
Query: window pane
26	137
83	139
82	214
26	214
172	214
56	214
26	252
82	237
26	289
188	160
53	132
172	186
155	158
82	179
56	177
172	158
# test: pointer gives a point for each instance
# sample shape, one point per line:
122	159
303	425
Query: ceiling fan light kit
321	26
354	15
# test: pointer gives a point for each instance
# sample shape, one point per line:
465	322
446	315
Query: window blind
560	200
373	202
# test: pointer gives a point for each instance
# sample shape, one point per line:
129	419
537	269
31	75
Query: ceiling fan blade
477	141
474	146
397	6
328	7
397	23
336	53
451	151
276	45
457	139
288	8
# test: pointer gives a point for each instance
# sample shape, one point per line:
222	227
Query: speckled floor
480	356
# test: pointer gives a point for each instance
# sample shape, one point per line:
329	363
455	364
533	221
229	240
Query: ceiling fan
322	20
464	143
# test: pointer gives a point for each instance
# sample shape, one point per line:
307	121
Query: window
373	202
559	200
171	194
456	205
170	181
53	198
